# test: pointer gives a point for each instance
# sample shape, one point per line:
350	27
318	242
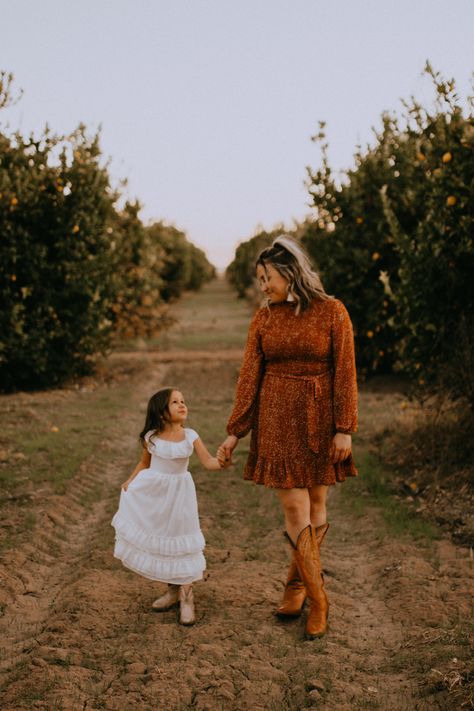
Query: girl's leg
186	605
297	510
170	598
317	497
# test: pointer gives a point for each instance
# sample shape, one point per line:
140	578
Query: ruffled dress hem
288	474
155	544
177	570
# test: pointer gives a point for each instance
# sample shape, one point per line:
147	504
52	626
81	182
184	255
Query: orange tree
201	270
351	243
55	256
73	270
184	266
435	297
138	307
393	240
155	264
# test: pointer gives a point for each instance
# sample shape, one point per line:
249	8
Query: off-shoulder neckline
187	430
173	441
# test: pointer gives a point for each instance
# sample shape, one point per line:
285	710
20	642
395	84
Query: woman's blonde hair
292	262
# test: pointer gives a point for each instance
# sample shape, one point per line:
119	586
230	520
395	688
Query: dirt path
77	631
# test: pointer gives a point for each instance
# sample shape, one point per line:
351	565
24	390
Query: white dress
157	524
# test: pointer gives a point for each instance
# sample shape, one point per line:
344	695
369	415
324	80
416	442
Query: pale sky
207	106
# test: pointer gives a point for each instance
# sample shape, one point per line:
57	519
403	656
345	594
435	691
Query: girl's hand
125	484
228	445
341	447
223	460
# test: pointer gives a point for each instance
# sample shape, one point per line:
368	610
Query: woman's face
272	283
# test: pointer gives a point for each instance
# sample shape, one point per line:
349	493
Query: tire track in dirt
35	575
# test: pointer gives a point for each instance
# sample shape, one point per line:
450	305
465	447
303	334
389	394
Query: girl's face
177	408
272	283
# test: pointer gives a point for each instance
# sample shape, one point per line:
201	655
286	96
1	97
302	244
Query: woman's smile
272	283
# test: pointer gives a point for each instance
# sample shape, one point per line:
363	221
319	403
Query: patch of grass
210	320
30	690
54	456
373	488
48	435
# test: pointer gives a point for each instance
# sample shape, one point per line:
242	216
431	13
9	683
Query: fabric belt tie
314	393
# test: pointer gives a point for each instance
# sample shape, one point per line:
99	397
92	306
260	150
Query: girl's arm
144	463
206	459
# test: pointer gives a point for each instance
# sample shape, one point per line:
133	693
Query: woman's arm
345	381
144	463
241	419
206	459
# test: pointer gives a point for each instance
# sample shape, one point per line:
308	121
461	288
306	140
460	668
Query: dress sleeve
345	378
149	444
191	435
241	419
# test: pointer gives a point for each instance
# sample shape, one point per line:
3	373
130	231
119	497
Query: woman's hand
226	449
341	447
224	461
125	484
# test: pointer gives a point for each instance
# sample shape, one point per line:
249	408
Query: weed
372	488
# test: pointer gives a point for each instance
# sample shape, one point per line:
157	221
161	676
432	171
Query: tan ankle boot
186	606
169	599
294	595
309	564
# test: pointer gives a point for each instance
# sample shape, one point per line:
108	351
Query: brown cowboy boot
294	594
309	564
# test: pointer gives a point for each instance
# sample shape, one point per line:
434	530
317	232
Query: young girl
157	524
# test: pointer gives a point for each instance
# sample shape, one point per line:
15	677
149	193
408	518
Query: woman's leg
317	497
297	510
296	506
305	515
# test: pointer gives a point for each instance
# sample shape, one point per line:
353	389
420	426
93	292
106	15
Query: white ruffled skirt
157	532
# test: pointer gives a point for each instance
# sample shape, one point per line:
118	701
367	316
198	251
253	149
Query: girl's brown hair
157	413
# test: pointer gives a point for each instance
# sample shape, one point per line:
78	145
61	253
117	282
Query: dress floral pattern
297	387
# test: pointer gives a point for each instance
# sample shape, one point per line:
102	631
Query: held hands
224	453
341	447
224	462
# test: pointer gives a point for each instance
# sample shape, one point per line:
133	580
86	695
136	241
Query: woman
297	392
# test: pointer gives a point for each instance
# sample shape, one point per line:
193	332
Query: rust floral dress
297	387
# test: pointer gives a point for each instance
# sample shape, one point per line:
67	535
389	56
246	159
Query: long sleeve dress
297	387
